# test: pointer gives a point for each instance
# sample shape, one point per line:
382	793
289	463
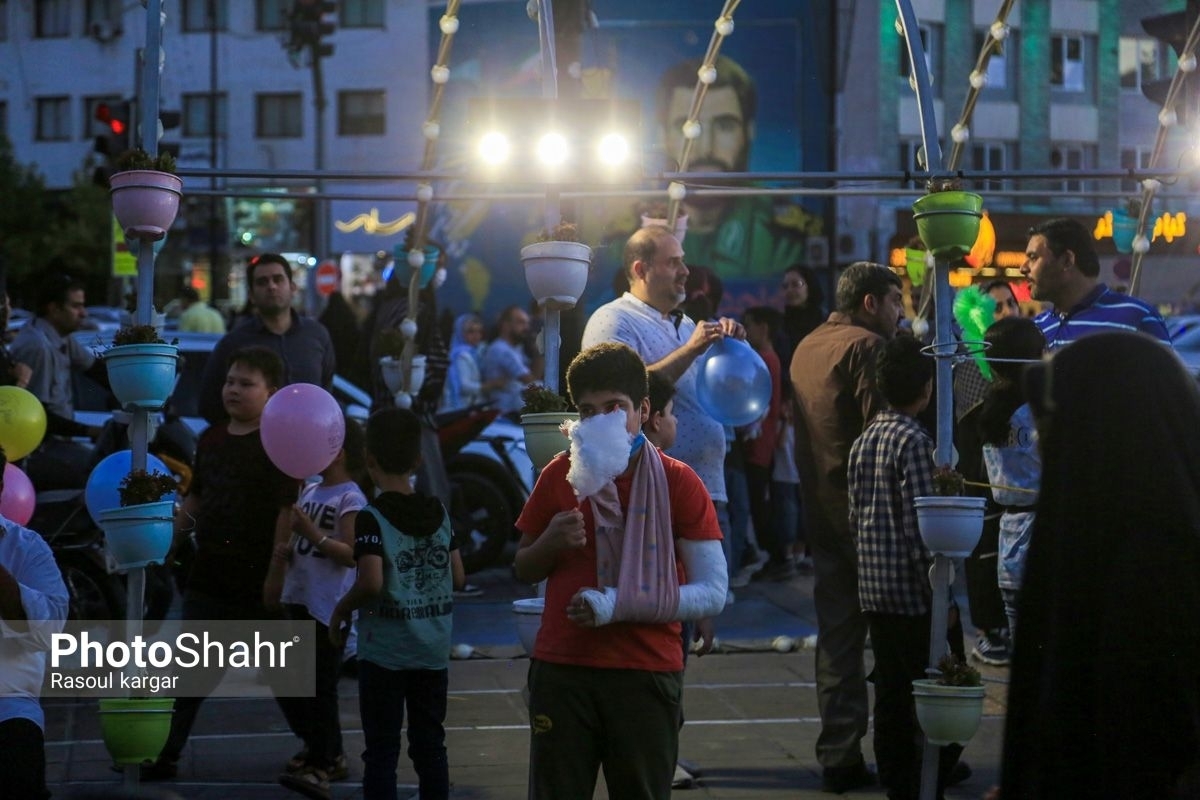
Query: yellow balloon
22	422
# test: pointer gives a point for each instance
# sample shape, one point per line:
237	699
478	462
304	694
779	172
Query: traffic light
1173	29
114	133
312	21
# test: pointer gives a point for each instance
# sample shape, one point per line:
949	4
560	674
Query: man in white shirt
505	365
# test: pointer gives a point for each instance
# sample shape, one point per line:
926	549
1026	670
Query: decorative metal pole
552	212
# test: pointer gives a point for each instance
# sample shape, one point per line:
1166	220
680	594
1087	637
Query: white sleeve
704	594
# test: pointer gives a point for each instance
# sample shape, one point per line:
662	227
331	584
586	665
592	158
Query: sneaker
297	762
992	648
839	780
338	772
683	779
740	578
775	571
310	782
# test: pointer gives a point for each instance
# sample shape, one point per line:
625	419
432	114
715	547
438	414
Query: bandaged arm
701	597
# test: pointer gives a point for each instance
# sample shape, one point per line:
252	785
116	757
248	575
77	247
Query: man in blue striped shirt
1063	269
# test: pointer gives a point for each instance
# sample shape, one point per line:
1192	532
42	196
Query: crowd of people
1074	425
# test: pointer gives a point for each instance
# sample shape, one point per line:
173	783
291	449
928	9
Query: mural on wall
750	121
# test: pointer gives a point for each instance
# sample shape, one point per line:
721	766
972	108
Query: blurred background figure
464	379
1104	700
198	316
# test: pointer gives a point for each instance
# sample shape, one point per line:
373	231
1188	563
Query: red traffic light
104	114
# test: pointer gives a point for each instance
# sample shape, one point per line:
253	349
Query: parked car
1187	346
491	476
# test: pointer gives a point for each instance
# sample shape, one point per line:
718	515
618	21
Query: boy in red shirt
606	680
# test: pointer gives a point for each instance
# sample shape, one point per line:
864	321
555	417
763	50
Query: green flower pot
948	714
948	222
135	729
543	439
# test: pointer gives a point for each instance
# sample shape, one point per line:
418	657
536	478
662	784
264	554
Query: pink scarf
635	550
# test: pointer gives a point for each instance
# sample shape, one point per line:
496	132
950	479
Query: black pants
901	647
316	719
22	759
383	697
983	591
758	483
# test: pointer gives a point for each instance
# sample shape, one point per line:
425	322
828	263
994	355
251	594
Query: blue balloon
733	384
101	490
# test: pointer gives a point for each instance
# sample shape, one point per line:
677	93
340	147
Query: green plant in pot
141	367
950	523
950	706
145	194
542	417
137	158
948	218
139	532
135	729
557	265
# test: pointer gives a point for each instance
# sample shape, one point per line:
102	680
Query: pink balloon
302	429
19	498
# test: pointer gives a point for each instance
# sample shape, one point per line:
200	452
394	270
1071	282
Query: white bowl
529	619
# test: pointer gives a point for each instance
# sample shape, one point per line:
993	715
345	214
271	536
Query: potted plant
139	531
135	729
948	218
556	266
542	418
950	706
389	346
1125	224
141	367
950	523
145	193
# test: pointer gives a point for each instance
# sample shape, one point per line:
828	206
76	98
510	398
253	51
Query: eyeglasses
793	284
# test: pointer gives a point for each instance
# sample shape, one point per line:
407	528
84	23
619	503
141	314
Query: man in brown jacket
832	372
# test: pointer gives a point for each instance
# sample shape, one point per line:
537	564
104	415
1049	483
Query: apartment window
990	157
53	119
1134	158
1071	157
1142	61
912	159
997	67
361	113
931	43
52	19
101	11
1066	62
278	116
360	13
197	115
271	15
3	20
195	15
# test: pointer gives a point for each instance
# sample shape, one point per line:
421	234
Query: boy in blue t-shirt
407	570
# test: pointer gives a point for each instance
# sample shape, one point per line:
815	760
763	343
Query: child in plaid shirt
891	463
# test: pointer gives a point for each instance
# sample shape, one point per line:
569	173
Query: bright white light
614	149
552	149
494	148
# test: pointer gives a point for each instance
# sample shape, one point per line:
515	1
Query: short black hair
394	440
1063	234
902	371
267	258
263	359
643	246
765	315
189	294
53	289
608	367
864	278
661	390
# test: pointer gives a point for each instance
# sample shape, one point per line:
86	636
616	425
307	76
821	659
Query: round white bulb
691	129
1188	63
439	278
613	149
978	79
408	328
999	31
707	73
448	24
424	192
920	327
439	73
431	130
1141	244
416	259
575	70
724	25
403	400
960	134
1167	117
1153	184
676	191
552	149
783	644
912	81
899	26
461	651
494	148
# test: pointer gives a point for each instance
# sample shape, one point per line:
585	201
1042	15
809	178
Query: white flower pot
392	370
950	526
543	439
556	272
948	714
529	619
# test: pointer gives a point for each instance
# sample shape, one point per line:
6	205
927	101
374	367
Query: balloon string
1000	486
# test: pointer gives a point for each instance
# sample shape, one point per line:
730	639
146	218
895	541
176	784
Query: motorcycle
96	590
490	477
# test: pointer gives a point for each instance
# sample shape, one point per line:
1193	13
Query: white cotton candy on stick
599	451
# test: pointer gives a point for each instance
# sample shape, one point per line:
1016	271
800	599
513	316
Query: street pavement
751	712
